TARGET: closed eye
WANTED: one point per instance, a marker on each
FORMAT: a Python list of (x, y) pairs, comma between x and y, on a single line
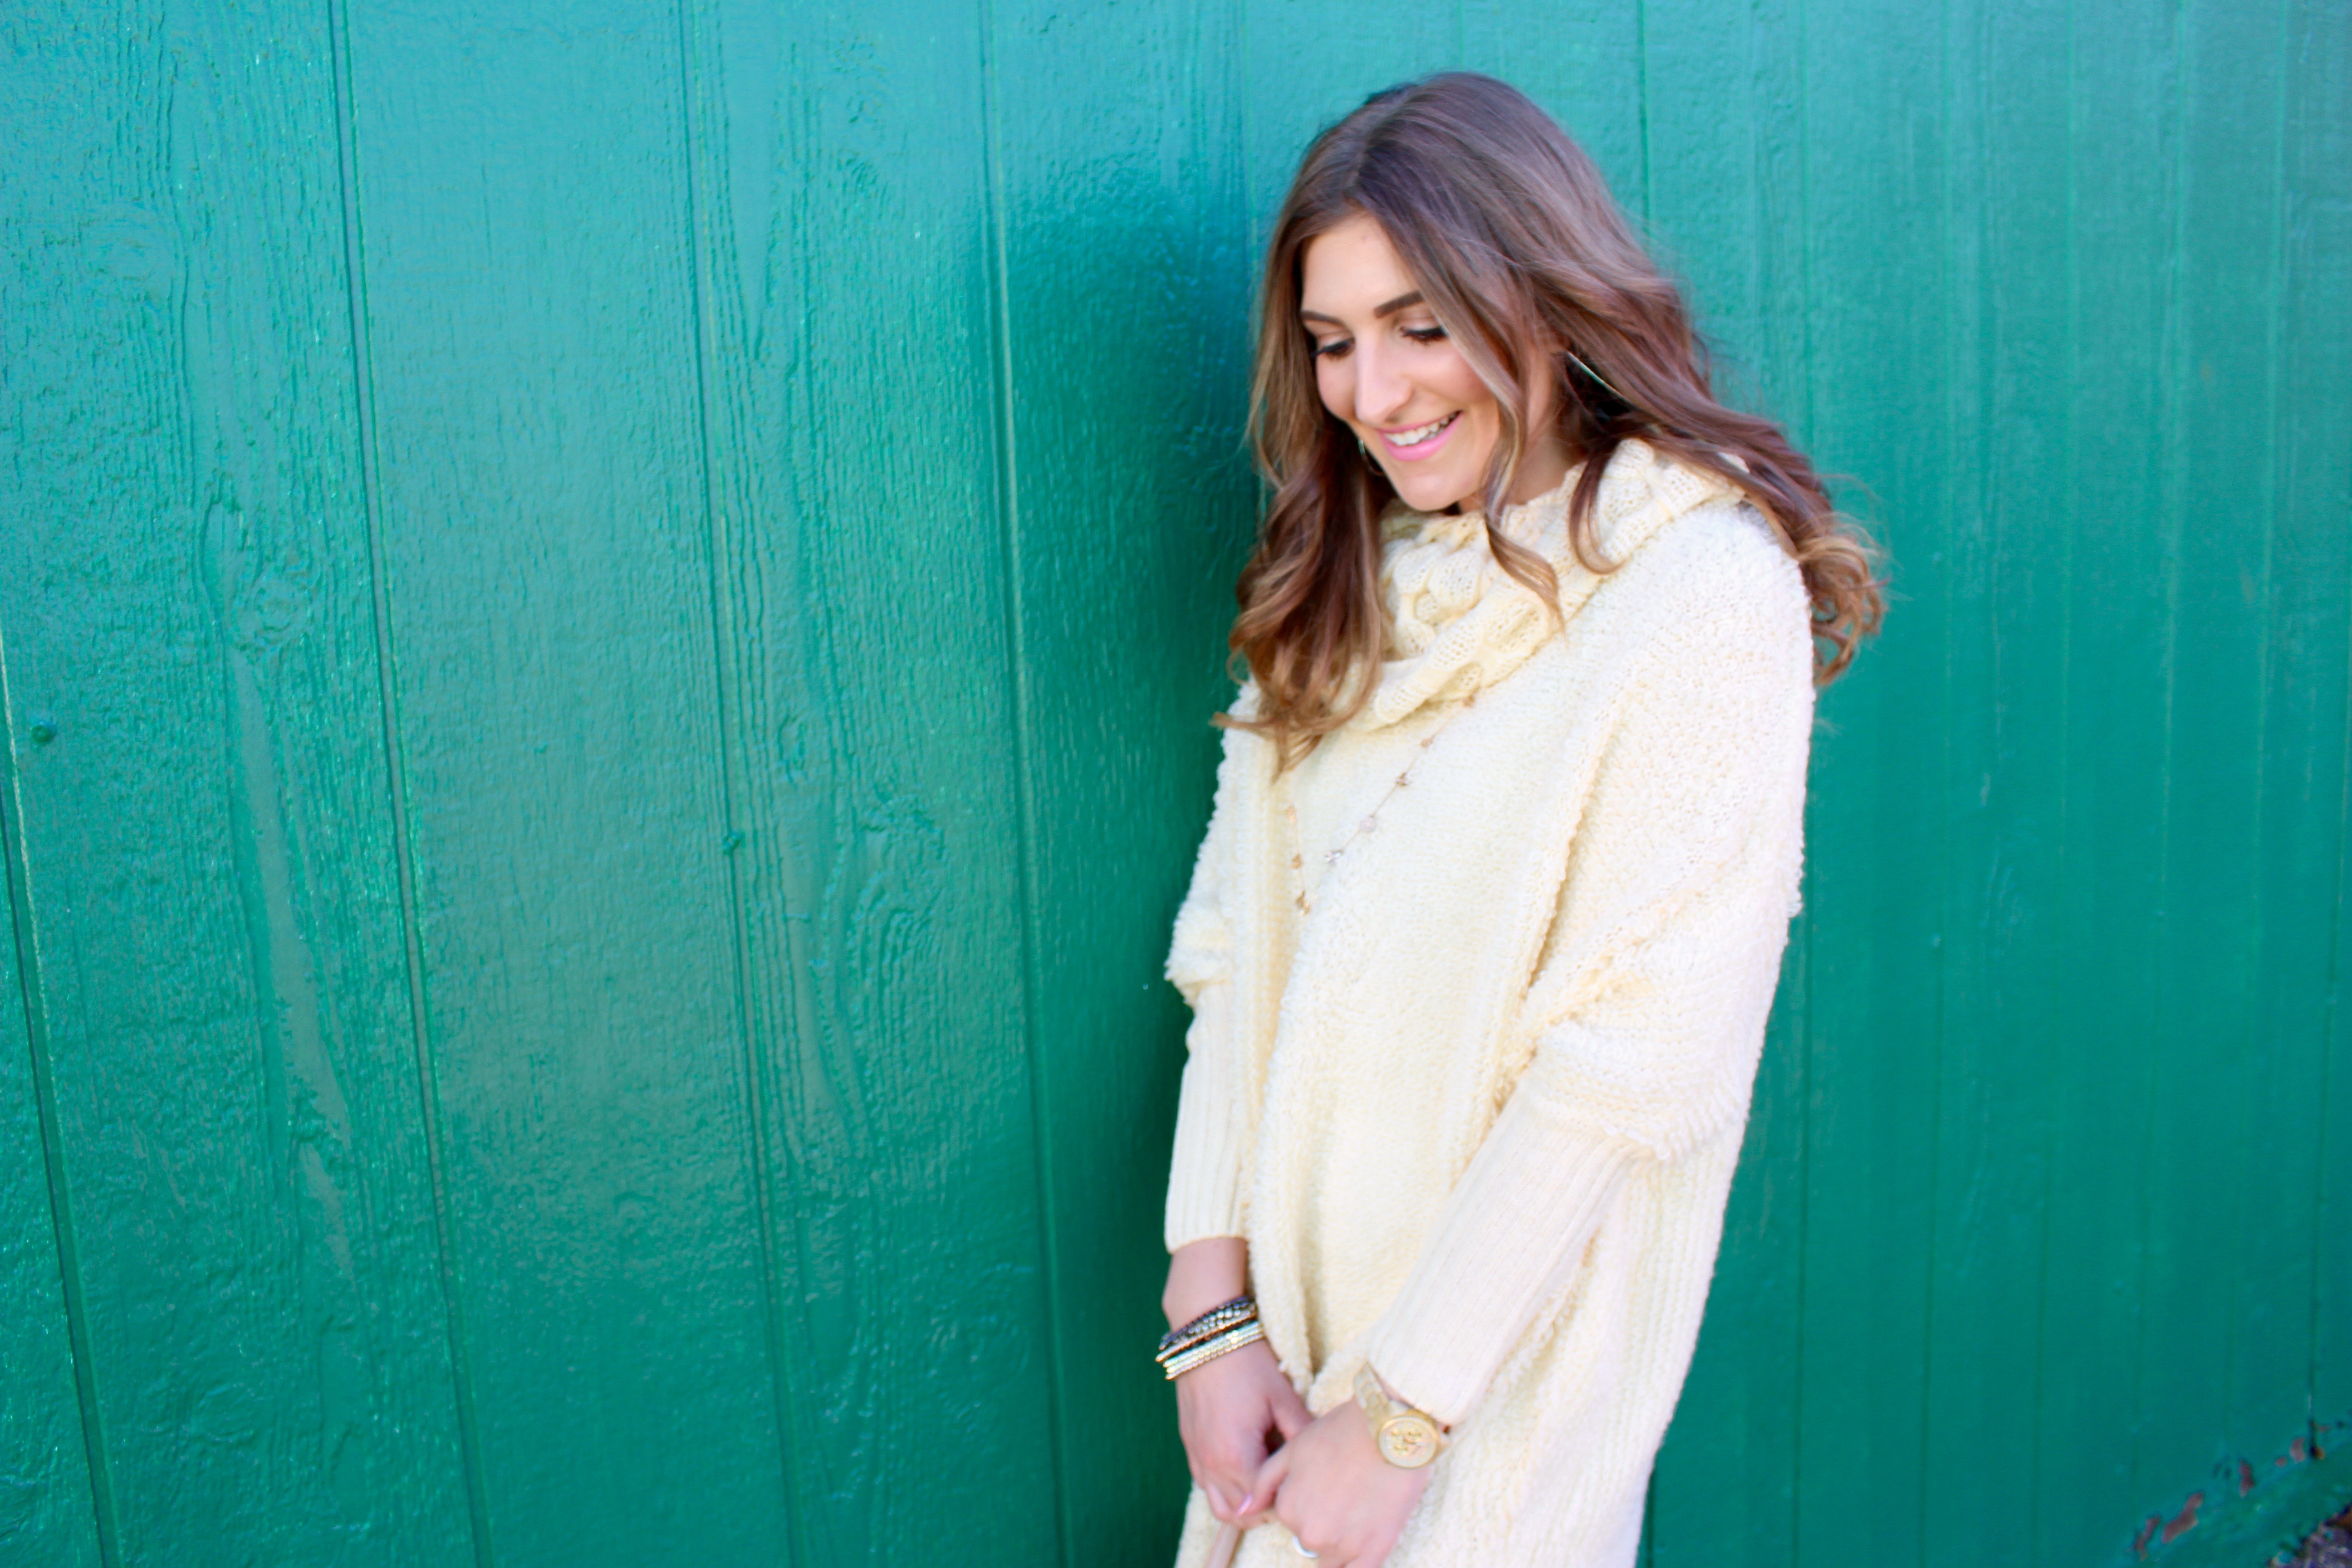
[(1425, 334), (1336, 349)]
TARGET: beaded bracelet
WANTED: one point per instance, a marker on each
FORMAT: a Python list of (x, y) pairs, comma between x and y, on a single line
[(1210, 1348), (1215, 1321)]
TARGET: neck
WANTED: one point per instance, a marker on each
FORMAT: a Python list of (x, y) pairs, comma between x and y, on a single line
[(1541, 470)]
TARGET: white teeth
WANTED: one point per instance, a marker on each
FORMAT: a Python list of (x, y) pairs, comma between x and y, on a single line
[(1419, 433)]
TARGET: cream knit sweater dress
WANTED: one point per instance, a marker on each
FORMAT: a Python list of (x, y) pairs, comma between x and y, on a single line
[(1476, 1109)]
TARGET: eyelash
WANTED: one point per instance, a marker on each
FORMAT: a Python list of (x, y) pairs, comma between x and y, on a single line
[(1418, 334)]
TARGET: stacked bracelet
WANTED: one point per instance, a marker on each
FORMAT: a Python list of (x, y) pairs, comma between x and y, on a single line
[(1208, 1350), (1223, 1329), (1215, 1321)]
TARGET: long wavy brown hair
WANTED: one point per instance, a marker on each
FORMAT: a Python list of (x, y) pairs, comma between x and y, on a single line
[(1510, 232)]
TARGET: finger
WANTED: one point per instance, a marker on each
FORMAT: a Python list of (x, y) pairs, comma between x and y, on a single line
[(1266, 1485), (1291, 1415), (1270, 1475)]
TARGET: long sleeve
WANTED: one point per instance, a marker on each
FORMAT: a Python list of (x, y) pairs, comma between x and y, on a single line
[(1651, 998), (1204, 1177), (1212, 1116)]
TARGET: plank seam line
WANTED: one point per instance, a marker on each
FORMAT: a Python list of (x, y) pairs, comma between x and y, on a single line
[(1642, 113), (18, 872), (1008, 485), (1803, 1035), (395, 780), (2261, 824), (2283, 459), (2062, 852), (1946, 180), (2165, 479), (718, 542)]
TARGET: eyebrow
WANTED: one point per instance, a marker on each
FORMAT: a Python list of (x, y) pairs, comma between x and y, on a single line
[(1400, 302)]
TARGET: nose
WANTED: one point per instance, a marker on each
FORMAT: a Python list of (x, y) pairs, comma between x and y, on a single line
[(1381, 392)]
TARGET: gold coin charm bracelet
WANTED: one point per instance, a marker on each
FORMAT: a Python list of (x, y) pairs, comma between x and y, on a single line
[(1222, 1330)]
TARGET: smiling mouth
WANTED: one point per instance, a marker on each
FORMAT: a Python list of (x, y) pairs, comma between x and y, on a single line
[(1420, 434)]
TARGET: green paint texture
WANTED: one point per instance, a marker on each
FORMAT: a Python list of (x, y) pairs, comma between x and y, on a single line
[(607, 616)]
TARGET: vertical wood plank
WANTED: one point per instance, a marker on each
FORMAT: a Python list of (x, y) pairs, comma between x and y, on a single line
[(1299, 73), (1584, 67), (183, 595), (2007, 720), (858, 505), (2217, 469), (2100, 1070), (47, 1513), (1877, 364), (2316, 488), (1721, 106), (2298, 804), (529, 290), (1125, 280)]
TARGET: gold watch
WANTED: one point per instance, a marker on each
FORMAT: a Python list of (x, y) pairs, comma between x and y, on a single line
[(1407, 1438)]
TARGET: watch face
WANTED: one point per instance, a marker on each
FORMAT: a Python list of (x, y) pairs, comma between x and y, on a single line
[(1408, 1442)]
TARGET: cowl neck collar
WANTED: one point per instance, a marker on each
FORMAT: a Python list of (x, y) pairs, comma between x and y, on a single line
[(1457, 622)]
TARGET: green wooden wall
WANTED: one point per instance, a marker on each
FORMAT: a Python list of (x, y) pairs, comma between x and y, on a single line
[(606, 618)]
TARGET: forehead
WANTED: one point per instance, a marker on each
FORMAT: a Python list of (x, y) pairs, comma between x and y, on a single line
[(1349, 269)]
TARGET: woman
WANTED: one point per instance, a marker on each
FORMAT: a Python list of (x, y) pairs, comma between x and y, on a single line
[(1481, 938)]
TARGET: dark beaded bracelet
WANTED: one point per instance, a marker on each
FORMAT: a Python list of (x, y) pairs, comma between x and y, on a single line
[(1215, 1321)]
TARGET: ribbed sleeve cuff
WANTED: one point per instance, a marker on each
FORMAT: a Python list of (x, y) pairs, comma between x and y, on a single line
[(1514, 1228), (1204, 1177)]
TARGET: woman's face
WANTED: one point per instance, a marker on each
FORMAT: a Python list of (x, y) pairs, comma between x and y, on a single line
[(1385, 367)]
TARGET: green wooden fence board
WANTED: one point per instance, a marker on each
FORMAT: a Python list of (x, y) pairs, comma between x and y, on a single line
[(46, 1511), (528, 288), (2267, 1527), (186, 598), (852, 401), (1299, 73), (1871, 1016), (2303, 781), (1718, 134), (2112, 784), (786, 492), (2005, 720), (1584, 67), (2315, 482), (1129, 494), (2219, 364)]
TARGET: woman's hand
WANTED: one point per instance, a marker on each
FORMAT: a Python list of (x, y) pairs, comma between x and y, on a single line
[(1330, 1488), (1232, 1411)]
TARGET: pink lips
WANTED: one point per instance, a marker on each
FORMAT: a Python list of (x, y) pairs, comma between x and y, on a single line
[(1428, 448)]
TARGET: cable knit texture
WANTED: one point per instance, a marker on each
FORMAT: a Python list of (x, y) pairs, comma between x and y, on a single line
[(1476, 1113)]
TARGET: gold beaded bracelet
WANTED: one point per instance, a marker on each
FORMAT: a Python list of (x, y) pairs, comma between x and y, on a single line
[(1210, 1348)]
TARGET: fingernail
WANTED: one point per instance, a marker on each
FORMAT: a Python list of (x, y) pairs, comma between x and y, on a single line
[(1247, 1499)]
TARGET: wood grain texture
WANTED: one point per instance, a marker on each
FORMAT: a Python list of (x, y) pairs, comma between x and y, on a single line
[(1127, 495), (521, 178), (2004, 716), (859, 488), (185, 596), (1872, 1025), (1726, 212), (48, 1511), (2315, 482), (623, 601), (2216, 487), (2115, 800)]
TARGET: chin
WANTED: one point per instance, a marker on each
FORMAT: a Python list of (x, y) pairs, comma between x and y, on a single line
[(1433, 494)]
